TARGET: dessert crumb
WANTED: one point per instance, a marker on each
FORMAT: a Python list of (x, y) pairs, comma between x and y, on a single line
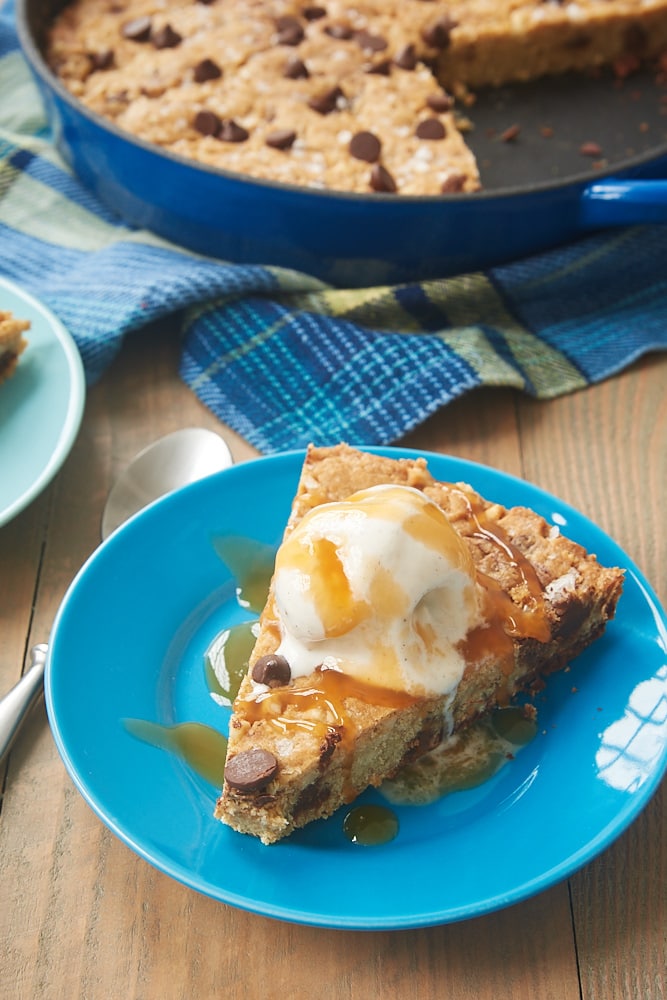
[(511, 133), (590, 149)]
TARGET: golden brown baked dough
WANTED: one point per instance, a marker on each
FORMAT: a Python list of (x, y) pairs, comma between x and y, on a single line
[(331, 738), (496, 42)]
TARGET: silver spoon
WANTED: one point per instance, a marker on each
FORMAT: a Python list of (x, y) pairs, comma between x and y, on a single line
[(164, 466)]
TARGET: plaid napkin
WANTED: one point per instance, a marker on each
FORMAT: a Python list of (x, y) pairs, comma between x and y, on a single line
[(281, 357)]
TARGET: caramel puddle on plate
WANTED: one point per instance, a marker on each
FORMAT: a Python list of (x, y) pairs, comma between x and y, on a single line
[(225, 663), (226, 659), (251, 564), (465, 761), (200, 746), (370, 825)]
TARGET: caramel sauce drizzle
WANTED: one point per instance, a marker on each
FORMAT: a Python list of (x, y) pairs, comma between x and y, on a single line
[(321, 706), (531, 619), (505, 620), (324, 702)]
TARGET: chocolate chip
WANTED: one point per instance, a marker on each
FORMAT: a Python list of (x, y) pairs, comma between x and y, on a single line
[(313, 13), (328, 746), (166, 38), (365, 146), (207, 122), (430, 128), (453, 184), (370, 43), (231, 131), (251, 770), (282, 138), (295, 69), (290, 31), (326, 102), (137, 30), (406, 58), (635, 38), (440, 101), (260, 801), (205, 70), (382, 68), (579, 41), (339, 31), (381, 180), (272, 669), (437, 34), (311, 798), (102, 60)]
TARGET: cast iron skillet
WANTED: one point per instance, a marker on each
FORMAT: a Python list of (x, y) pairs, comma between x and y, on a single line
[(539, 190)]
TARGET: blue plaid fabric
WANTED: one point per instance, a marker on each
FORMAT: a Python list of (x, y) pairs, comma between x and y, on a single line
[(284, 359)]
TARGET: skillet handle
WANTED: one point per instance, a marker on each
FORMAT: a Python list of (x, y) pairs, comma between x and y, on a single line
[(623, 203)]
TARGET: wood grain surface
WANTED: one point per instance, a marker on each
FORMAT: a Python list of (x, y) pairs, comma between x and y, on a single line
[(81, 916)]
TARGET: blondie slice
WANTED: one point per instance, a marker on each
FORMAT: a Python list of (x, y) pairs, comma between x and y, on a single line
[(345, 685), (12, 342)]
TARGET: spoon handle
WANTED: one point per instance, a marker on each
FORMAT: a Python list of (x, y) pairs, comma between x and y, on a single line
[(15, 705)]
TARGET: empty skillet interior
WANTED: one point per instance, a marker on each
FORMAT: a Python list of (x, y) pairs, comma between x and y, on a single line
[(565, 128)]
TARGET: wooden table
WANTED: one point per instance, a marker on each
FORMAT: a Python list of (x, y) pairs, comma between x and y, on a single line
[(81, 916)]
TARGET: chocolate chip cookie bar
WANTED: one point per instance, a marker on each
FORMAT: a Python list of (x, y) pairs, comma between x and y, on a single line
[(494, 43), (303, 743)]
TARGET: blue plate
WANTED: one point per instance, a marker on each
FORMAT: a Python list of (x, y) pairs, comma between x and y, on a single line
[(41, 405), (129, 642)]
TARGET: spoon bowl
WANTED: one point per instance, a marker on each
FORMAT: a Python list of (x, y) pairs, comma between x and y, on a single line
[(164, 466)]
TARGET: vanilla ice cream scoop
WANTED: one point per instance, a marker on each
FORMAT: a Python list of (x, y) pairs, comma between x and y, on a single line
[(380, 587)]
